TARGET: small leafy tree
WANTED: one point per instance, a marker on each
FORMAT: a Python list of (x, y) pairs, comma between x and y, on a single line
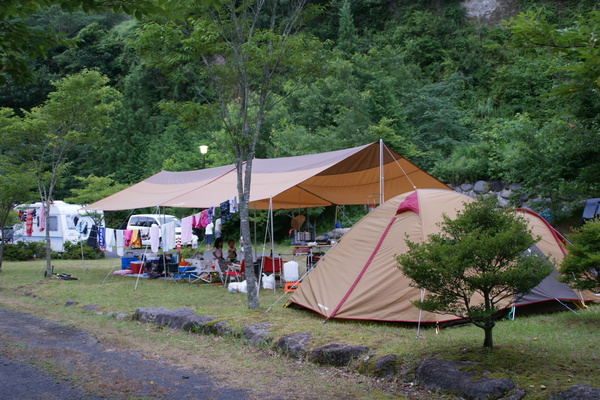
[(581, 266), (481, 253), (74, 115)]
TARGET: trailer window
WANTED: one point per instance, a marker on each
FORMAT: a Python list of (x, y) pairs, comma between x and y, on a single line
[(53, 223)]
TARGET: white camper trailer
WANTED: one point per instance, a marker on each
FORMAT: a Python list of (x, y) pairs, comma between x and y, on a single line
[(64, 221)]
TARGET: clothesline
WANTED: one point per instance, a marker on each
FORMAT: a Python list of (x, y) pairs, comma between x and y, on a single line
[(107, 238)]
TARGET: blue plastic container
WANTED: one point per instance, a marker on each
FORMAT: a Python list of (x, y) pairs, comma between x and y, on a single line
[(125, 261)]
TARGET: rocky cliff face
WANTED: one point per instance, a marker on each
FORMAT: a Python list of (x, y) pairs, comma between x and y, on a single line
[(490, 12)]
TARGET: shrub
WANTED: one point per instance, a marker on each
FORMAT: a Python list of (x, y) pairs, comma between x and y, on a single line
[(72, 251), (24, 251)]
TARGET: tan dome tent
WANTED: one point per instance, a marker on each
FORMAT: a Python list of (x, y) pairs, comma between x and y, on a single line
[(358, 278)]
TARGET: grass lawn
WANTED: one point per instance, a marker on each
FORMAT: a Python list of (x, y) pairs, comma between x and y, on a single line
[(541, 354)]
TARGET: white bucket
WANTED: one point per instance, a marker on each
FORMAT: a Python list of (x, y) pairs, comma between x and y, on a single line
[(290, 271)]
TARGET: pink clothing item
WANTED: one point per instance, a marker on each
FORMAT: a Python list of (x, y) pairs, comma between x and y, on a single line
[(127, 237), (204, 218), (42, 217), (197, 220)]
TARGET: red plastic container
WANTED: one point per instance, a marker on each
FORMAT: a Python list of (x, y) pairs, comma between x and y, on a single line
[(136, 267)]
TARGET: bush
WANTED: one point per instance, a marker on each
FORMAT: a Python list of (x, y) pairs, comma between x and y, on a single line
[(24, 251), (72, 251), (581, 266)]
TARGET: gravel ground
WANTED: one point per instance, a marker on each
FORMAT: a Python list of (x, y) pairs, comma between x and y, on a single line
[(43, 360)]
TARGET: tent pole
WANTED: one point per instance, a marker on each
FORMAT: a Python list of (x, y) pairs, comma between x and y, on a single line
[(381, 171), (82, 258), (272, 243)]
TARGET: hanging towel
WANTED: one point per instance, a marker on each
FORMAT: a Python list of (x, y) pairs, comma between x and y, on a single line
[(29, 223), (102, 238), (154, 238), (81, 227), (42, 218), (110, 239), (198, 220), (127, 237), (136, 240), (233, 205), (186, 230), (225, 211), (204, 220), (120, 240), (168, 236), (92, 240)]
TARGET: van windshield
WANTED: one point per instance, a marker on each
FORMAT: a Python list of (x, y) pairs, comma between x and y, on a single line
[(166, 220)]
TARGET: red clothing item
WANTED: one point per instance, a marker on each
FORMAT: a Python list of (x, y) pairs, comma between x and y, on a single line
[(29, 223)]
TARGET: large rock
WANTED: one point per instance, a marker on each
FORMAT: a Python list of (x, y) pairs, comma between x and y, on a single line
[(382, 367), (182, 318), (496, 186), (257, 335), (295, 345), (466, 187), (578, 392), (481, 187), (337, 355), (161, 316), (444, 375)]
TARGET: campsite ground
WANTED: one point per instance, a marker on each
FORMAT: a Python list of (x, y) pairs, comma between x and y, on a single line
[(560, 342)]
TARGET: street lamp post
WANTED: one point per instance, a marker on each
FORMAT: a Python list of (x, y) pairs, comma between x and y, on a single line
[(203, 151)]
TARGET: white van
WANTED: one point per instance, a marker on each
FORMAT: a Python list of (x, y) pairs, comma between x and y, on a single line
[(143, 222), (63, 221)]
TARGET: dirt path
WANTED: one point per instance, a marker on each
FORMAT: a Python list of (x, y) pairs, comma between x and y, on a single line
[(44, 360)]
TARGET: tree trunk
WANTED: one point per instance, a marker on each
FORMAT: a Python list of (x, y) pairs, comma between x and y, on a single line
[(488, 342), (251, 279), (48, 242), (1, 249)]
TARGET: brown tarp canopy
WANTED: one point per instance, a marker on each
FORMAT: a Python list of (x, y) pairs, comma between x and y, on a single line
[(342, 177), (359, 278)]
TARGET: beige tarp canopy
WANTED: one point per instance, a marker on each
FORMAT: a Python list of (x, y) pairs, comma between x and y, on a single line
[(351, 176)]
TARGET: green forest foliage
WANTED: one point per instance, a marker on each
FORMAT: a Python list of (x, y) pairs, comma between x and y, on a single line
[(516, 102)]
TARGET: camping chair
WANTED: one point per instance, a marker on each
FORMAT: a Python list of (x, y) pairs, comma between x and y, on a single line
[(202, 271), (272, 266), (173, 272), (235, 272)]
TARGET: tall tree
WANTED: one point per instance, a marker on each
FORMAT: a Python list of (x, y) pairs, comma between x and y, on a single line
[(74, 115), (246, 49), (480, 252)]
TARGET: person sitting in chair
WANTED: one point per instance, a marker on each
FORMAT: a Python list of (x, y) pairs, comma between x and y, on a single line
[(218, 254), (231, 253)]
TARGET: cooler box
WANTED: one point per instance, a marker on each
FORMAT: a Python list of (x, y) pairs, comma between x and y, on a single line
[(290, 287), (136, 267), (125, 261)]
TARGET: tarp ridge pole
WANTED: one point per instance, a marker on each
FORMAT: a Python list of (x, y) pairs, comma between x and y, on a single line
[(381, 196), (272, 244)]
